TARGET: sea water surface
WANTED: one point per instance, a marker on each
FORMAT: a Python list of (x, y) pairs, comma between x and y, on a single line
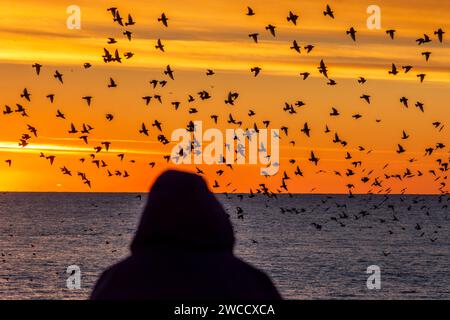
[(407, 237)]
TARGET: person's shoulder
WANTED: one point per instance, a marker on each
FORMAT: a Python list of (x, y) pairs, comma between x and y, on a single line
[(109, 278), (259, 279), (248, 268)]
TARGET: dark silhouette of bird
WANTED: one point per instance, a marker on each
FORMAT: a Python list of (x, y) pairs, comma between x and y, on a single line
[(159, 45), (439, 32), (254, 36), (352, 33), (59, 114), (305, 75), (271, 29), (32, 129), (292, 17), (334, 112), (169, 72), (26, 94), (58, 76), (37, 67), (306, 130), (163, 19), (404, 100), (157, 124), (313, 158), (323, 69), (421, 76), (255, 70), (130, 21), (391, 33), (250, 12), (328, 12), (117, 17), (143, 130), (7, 110), (423, 40), (88, 99), (112, 83), (295, 46), (400, 148), (407, 68), (128, 34), (420, 106), (231, 98), (366, 98), (393, 70), (427, 55)]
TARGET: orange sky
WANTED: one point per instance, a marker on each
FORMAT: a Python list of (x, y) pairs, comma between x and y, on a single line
[(214, 35)]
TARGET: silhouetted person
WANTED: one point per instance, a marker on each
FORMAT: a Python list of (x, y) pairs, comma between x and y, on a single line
[(183, 249)]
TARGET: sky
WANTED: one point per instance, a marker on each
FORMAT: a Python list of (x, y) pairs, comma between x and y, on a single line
[(213, 35)]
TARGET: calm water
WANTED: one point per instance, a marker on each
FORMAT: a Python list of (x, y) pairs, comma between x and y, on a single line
[(43, 233)]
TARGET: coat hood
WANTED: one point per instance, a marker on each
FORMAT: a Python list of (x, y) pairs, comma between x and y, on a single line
[(181, 212)]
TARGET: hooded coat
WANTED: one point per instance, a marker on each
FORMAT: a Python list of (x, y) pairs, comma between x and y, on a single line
[(183, 250)]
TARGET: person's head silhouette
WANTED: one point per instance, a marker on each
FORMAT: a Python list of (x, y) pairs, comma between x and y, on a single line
[(182, 212)]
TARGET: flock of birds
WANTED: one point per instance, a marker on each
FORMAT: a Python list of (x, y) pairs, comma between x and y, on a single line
[(378, 183)]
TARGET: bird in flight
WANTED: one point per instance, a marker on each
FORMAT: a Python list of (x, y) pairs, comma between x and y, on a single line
[(169, 72), (393, 70), (439, 32), (352, 33), (407, 68), (88, 99), (295, 46), (305, 75), (254, 36), (112, 83), (292, 17), (328, 12), (423, 40), (426, 54), (313, 158), (37, 67), (163, 19), (250, 12), (366, 98), (361, 80), (391, 33), (143, 129), (159, 45), (421, 76), (130, 21), (25, 94), (334, 112), (306, 130), (323, 69), (255, 70), (308, 48), (58, 76), (271, 29), (400, 148)]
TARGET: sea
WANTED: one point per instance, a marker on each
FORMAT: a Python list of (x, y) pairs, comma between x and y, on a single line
[(311, 246)]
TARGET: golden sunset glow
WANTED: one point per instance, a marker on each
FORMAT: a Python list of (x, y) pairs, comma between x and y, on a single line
[(213, 35)]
